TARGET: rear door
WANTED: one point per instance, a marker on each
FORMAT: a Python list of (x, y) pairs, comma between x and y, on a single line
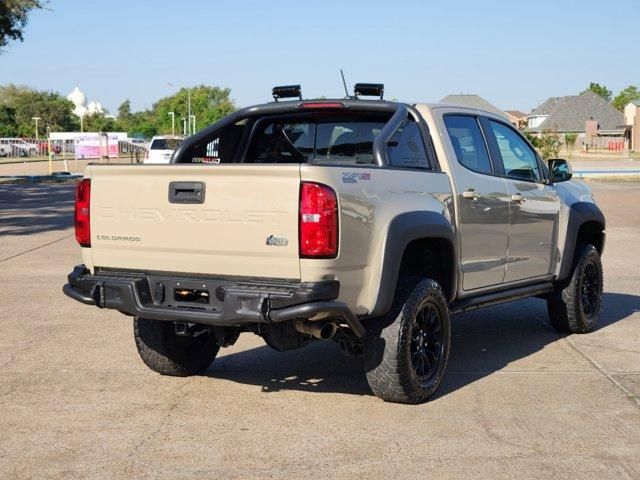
[(483, 204), (244, 221), (534, 205)]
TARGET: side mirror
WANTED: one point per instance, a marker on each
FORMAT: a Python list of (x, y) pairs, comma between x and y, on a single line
[(560, 170)]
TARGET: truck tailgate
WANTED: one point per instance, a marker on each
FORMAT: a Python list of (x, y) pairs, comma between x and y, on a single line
[(246, 225)]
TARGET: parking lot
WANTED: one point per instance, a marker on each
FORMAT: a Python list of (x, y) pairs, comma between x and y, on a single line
[(519, 400)]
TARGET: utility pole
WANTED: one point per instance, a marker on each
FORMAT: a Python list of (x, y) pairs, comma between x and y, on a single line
[(173, 122), (189, 110), (36, 119), (49, 150)]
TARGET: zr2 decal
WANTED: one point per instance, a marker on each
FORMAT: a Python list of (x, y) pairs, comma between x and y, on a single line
[(354, 177)]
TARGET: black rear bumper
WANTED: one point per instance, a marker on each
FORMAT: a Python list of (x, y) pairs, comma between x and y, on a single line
[(229, 303)]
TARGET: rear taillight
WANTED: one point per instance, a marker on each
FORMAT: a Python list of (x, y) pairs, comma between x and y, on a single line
[(318, 221), (82, 217)]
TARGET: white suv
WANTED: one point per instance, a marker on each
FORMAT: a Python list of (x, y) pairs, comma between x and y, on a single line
[(161, 148)]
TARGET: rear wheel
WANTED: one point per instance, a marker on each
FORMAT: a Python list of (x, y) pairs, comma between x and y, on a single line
[(169, 354), (574, 306), (406, 353)]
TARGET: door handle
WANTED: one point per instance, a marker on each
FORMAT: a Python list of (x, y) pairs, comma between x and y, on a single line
[(186, 192), (518, 198), (471, 194)]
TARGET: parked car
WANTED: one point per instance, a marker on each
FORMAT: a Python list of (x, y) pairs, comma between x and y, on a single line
[(22, 148), (365, 222), (161, 148)]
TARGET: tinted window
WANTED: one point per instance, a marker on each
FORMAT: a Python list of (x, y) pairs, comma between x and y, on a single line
[(314, 140), (223, 148), (468, 142), (350, 142), (165, 143), (517, 156), (282, 142), (406, 148)]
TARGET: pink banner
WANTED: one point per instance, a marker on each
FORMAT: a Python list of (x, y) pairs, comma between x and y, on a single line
[(95, 145)]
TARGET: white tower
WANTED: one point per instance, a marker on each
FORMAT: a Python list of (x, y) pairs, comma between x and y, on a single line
[(79, 101)]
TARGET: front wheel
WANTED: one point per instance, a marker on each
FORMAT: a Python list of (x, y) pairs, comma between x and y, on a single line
[(574, 306), (406, 353), (169, 354)]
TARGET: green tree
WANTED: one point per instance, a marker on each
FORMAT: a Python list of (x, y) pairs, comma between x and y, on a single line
[(600, 90), (208, 104), (570, 142), (533, 140), (629, 94), (549, 144), (7, 122), (139, 124), (53, 109), (13, 18), (99, 122)]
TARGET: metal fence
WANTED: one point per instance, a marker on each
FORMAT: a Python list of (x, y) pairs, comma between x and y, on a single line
[(24, 148)]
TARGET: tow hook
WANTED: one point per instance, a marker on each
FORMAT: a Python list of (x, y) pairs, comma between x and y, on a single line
[(185, 329)]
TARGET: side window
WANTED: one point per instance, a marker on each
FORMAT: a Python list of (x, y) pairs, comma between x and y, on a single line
[(223, 148), (406, 148), (346, 142), (468, 143), (518, 159)]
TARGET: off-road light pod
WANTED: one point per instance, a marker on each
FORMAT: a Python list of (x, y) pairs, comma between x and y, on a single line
[(286, 91), (82, 213), (369, 90), (318, 221)]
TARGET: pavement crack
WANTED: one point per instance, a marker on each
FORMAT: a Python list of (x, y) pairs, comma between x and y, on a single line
[(161, 424), (36, 248), (630, 395)]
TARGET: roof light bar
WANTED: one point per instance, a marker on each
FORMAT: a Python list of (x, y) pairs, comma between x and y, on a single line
[(369, 90), (286, 91)]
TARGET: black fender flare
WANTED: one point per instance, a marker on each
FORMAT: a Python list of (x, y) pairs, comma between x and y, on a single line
[(404, 229), (579, 214)]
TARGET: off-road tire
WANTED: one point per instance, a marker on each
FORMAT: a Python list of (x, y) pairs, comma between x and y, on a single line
[(169, 354), (567, 311), (387, 346)]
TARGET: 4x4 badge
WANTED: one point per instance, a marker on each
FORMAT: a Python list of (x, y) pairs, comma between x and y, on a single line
[(276, 241)]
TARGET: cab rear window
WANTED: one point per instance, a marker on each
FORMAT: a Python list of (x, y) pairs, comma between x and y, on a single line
[(330, 139), (315, 140)]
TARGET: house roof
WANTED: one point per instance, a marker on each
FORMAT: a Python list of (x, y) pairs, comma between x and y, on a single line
[(569, 114), (515, 113), (473, 101)]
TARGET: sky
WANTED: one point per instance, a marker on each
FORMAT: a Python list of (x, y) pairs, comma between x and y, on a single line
[(514, 54)]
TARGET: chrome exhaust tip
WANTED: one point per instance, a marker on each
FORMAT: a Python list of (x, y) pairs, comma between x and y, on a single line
[(319, 330)]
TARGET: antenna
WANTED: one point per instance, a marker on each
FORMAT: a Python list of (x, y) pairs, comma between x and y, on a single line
[(346, 92)]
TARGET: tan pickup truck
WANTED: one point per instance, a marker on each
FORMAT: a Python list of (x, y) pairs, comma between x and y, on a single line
[(364, 222)]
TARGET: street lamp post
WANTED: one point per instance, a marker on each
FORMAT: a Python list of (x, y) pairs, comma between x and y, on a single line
[(36, 119), (192, 118), (184, 126), (49, 149), (173, 122)]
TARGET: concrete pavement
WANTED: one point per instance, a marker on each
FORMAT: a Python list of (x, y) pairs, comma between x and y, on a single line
[(518, 401)]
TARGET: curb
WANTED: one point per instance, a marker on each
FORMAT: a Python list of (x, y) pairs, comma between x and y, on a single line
[(54, 178)]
